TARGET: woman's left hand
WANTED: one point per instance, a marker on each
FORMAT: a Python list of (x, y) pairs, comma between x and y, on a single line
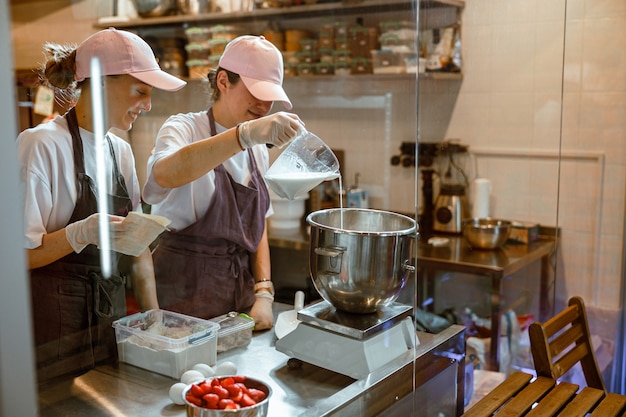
[(262, 311)]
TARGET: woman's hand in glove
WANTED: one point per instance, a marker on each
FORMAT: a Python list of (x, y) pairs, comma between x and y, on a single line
[(85, 232), (262, 311), (276, 129)]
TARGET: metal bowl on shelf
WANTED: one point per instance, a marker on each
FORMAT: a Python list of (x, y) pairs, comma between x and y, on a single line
[(486, 233), (155, 8)]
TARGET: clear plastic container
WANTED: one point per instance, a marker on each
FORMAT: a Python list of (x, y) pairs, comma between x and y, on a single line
[(385, 61), (197, 51), (234, 331), (165, 342), (198, 34), (198, 68)]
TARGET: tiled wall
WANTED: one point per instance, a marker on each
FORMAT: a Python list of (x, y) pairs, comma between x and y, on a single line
[(511, 109)]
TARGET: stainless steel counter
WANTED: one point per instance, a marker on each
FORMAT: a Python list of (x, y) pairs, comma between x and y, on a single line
[(124, 390)]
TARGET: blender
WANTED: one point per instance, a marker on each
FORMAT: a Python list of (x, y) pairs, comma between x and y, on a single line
[(452, 205)]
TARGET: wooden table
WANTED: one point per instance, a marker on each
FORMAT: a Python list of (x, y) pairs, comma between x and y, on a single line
[(518, 396)]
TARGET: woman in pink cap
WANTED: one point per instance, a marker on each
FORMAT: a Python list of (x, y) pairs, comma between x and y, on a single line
[(206, 176), (74, 299)]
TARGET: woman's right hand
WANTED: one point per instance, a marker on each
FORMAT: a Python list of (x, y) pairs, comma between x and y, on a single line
[(277, 129)]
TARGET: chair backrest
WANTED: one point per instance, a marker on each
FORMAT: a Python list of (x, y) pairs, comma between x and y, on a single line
[(564, 340)]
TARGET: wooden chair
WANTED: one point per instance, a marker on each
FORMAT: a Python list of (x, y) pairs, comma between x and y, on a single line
[(564, 340)]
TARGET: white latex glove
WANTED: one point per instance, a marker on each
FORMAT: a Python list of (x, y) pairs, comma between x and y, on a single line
[(85, 232), (261, 311), (277, 129)]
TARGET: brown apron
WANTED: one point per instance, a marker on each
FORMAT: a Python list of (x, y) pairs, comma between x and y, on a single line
[(73, 304), (204, 270)]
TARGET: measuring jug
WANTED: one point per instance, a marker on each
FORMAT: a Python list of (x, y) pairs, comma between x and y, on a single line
[(303, 165)]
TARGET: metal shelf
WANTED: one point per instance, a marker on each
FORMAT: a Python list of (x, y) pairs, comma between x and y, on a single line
[(345, 7)]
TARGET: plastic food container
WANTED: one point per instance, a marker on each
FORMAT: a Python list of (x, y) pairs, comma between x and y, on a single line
[(165, 342), (198, 34), (197, 51), (198, 68), (234, 331), (388, 62), (217, 45)]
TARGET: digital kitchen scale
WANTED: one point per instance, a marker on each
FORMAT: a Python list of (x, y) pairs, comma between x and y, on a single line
[(347, 343)]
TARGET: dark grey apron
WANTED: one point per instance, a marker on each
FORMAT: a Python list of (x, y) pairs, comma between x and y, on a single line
[(73, 304), (204, 270)]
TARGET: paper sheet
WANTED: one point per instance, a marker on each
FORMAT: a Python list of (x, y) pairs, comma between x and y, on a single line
[(140, 230)]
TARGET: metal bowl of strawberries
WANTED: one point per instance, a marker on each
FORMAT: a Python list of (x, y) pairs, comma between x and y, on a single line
[(228, 396)]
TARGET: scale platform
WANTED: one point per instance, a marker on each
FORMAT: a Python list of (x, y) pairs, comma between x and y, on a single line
[(347, 343)]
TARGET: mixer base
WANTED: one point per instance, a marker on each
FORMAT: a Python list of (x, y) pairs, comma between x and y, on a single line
[(353, 357)]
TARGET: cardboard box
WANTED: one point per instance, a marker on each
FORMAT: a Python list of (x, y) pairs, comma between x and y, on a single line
[(524, 232)]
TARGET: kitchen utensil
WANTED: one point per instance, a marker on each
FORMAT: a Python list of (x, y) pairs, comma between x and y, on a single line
[(287, 321), (452, 205), (258, 410), (360, 259), (304, 164), (486, 233), (227, 316), (194, 7), (350, 344), (288, 214), (155, 8)]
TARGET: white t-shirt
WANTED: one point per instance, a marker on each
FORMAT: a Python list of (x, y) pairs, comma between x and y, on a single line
[(185, 205), (47, 175)]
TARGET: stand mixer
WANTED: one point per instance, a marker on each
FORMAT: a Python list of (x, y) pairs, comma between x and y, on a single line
[(452, 205), (359, 263)]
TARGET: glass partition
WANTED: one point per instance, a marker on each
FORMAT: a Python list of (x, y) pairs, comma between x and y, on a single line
[(451, 110)]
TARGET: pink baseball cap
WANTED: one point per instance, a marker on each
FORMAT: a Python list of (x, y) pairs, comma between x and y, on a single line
[(122, 52), (259, 64)]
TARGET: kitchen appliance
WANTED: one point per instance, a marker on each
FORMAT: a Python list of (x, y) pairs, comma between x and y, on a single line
[(350, 344), (359, 262), (426, 155), (452, 204)]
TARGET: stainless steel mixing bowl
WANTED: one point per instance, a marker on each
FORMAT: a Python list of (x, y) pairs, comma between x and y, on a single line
[(364, 263), (486, 233)]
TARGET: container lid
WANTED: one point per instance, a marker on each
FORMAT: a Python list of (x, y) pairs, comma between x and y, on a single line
[(167, 329), (229, 325)]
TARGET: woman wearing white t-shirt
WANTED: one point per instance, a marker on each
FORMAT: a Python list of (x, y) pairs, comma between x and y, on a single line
[(74, 300), (206, 176)]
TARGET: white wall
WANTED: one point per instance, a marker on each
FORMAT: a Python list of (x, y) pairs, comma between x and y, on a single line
[(510, 100)]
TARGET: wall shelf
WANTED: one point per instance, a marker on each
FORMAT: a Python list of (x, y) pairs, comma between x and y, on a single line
[(345, 7)]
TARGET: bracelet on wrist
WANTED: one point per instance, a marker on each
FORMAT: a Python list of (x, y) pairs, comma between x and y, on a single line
[(237, 136), (264, 285)]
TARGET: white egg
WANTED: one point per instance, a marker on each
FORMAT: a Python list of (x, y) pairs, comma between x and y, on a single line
[(176, 393), (191, 376), (204, 369), (225, 368)]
